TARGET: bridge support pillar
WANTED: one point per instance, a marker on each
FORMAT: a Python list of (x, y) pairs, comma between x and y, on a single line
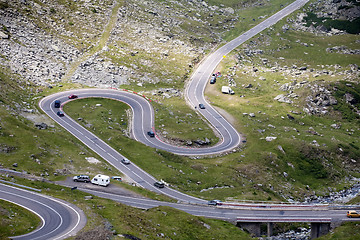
[(270, 229), (251, 227), (319, 229)]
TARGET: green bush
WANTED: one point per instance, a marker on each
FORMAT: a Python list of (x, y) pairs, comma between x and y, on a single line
[(352, 27)]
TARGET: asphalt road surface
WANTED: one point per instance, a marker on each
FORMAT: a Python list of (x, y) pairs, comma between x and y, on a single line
[(59, 219), (143, 115), (143, 121), (259, 211)]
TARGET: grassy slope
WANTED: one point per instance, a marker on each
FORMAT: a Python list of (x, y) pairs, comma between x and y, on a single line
[(15, 220), (268, 164), (235, 170), (347, 231), (239, 170), (307, 170)]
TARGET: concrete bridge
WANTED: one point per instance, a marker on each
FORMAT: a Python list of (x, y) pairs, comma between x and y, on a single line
[(319, 226)]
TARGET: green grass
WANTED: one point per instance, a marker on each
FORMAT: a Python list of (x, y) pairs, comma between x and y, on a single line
[(190, 175), (253, 15), (354, 201), (181, 123), (221, 176), (290, 46), (304, 163), (347, 231), (15, 220)]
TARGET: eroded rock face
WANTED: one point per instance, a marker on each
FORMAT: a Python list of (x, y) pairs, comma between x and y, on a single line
[(46, 43), (319, 101)]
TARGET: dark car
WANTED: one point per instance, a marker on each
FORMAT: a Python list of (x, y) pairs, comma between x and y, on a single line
[(159, 184), (60, 113), (57, 103), (201, 106), (151, 133), (72, 96), (125, 161), (213, 80), (81, 178), (214, 202)]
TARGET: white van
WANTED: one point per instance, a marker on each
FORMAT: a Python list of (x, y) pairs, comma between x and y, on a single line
[(101, 180), (227, 90)]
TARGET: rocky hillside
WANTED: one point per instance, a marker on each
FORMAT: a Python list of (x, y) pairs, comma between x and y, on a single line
[(296, 84), (108, 43)]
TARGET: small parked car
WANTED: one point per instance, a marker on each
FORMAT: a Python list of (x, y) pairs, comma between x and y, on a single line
[(81, 178), (159, 184), (214, 202), (60, 113), (201, 106), (57, 103), (125, 161), (151, 133), (117, 178), (353, 214), (72, 96), (213, 80)]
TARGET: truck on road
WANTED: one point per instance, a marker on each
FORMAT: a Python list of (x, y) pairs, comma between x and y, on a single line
[(227, 90)]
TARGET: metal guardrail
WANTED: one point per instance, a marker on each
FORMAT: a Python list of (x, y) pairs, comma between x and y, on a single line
[(277, 219), (19, 185)]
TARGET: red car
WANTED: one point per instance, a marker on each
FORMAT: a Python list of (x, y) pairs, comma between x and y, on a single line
[(72, 96)]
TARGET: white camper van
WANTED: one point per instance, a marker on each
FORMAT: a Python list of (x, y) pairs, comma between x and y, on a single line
[(101, 180), (227, 90)]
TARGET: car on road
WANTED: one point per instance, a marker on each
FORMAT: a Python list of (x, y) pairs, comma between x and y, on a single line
[(60, 113), (125, 161), (72, 96), (201, 106), (159, 184), (353, 214), (151, 133), (57, 103), (214, 202), (81, 178)]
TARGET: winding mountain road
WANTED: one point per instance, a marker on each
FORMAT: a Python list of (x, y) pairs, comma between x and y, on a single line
[(59, 220), (143, 121), (143, 114)]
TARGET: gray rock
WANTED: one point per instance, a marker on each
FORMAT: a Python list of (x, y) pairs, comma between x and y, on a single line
[(3, 35), (41, 125), (269, 139), (229, 10), (290, 117), (282, 98), (281, 149), (285, 28), (350, 98)]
